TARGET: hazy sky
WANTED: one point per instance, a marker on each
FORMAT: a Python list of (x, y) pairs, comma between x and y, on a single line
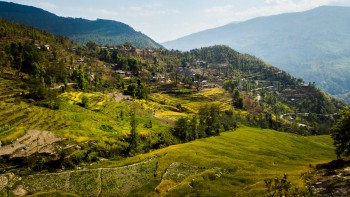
[(165, 20)]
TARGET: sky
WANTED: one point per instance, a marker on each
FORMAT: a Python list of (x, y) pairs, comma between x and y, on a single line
[(165, 20)]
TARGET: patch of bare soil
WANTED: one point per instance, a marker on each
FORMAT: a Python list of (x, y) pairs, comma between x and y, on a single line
[(33, 142), (119, 97), (4, 180), (20, 191)]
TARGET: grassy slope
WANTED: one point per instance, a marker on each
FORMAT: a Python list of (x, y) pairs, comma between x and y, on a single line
[(83, 124), (248, 156), (72, 121), (192, 102)]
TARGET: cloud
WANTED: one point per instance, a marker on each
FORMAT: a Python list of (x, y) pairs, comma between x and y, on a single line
[(136, 9), (102, 13), (225, 10), (48, 6), (228, 13), (148, 10), (222, 15), (275, 1)]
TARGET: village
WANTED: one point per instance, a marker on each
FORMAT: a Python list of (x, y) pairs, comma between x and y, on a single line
[(197, 75)]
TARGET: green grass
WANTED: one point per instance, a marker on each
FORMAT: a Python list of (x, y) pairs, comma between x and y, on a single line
[(53, 194), (87, 123), (246, 156), (193, 102), (96, 182), (234, 163), (75, 122), (9, 87)]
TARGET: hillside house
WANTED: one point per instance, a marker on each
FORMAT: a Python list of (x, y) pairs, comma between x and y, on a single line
[(123, 73), (120, 72), (158, 77), (139, 51)]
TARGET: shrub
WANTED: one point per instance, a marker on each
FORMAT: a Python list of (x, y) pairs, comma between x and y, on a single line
[(92, 157), (84, 101)]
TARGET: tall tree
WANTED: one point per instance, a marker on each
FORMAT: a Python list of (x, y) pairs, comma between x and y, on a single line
[(181, 128), (133, 131), (341, 133)]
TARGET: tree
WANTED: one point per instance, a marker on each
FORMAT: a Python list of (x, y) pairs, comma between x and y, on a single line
[(194, 127), (84, 101), (341, 133), (138, 90), (91, 45), (82, 82), (209, 118), (181, 127), (237, 99), (133, 132)]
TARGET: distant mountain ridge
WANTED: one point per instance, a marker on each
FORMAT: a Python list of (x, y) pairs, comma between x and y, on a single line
[(313, 45), (104, 32)]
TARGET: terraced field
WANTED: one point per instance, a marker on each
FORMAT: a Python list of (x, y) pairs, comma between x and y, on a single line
[(192, 102), (232, 164), (244, 159), (8, 88), (119, 181), (73, 121)]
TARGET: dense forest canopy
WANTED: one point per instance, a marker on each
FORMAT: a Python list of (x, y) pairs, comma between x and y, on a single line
[(80, 30)]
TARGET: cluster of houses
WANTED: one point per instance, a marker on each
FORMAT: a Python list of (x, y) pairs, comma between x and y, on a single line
[(138, 51), (147, 52)]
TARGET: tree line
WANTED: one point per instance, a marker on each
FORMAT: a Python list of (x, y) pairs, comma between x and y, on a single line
[(210, 121)]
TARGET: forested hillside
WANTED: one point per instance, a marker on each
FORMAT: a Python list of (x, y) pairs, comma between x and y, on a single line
[(103, 32), (65, 106), (312, 45)]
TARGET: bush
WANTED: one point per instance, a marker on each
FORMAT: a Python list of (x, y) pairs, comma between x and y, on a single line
[(283, 187), (78, 156), (84, 101), (92, 157)]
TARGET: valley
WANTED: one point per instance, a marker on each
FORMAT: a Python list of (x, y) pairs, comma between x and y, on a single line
[(98, 119), (311, 45)]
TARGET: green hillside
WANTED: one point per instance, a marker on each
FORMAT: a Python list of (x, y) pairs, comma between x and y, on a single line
[(242, 158), (312, 45), (103, 32), (218, 166), (92, 120)]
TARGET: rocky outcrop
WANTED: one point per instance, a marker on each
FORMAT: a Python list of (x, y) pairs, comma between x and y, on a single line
[(332, 179)]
